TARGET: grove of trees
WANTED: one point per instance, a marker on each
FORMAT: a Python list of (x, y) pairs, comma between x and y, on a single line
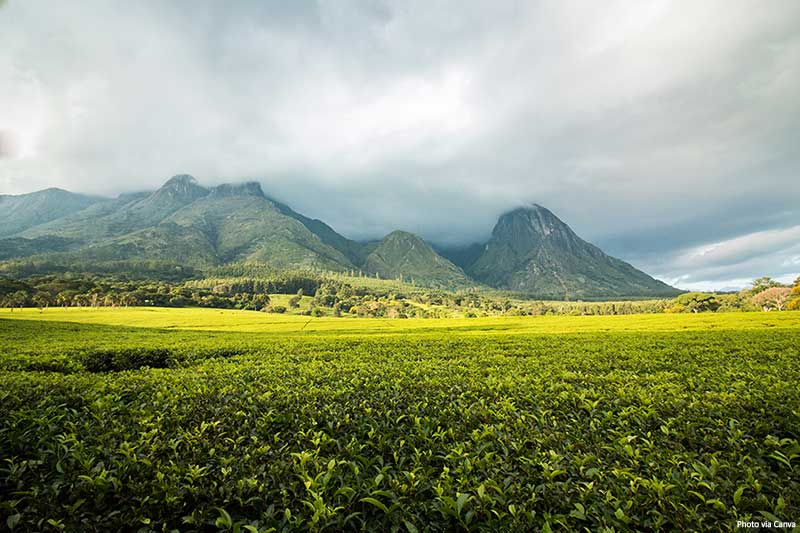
[(330, 296)]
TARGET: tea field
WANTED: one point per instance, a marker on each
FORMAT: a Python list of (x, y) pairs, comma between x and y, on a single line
[(201, 420)]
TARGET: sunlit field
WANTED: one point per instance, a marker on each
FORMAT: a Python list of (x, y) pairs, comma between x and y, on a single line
[(202, 419), (253, 321)]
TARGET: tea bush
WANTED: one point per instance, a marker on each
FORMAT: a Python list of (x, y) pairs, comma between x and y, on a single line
[(611, 431)]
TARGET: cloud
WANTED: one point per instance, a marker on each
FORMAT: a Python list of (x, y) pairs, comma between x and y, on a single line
[(731, 263), (651, 127)]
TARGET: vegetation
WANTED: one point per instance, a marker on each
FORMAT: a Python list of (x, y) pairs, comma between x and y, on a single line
[(774, 298), (794, 302), (69, 267), (328, 295), (695, 302), (343, 295), (294, 423)]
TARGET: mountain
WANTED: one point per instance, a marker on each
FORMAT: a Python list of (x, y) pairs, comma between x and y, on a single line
[(243, 225), (404, 255), (183, 223), (532, 251), (20, 212), (123, 215), (191, 225)]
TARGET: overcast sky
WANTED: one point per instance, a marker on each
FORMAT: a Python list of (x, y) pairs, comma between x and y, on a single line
[(667, 133)]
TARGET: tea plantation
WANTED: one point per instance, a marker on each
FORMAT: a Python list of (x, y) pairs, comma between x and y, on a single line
[(199, 420)]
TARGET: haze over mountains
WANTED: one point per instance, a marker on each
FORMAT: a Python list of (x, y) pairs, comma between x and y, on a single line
[(530, 250)]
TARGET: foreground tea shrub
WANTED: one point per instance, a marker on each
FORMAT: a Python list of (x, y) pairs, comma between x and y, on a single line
[(656, 431)]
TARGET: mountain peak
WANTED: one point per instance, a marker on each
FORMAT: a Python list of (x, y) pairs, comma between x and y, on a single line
[(54, 190), (524, 226), (24, 211), (534, 251), (531, 210), (400, 235), (50, 191), (183, 187), (180, 180), (401, 254), (249, 188)]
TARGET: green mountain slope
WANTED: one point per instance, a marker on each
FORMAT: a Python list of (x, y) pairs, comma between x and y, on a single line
[(124, 215), (17, 247), (354, 251), (402, 254), (188, 224), (533, 251), (20, 212), (84, 225), (242, 224)]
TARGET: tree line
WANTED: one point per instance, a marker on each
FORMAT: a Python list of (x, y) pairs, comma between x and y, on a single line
[(333, 296), (765, 294)]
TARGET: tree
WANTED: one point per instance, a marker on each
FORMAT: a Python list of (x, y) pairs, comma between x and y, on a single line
[(698, 302), (794, 303), (64, 298), (763, 283), (81, 300), (772, 298), (259, 301), (221, 289), (179, 301), (41, 300), (19, 299)]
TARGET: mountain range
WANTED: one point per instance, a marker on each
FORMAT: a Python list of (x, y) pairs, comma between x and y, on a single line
[(530, 250)]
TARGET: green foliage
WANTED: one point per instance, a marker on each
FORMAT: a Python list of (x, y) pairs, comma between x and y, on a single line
[(762, 284), (16, 248), (740, 301), (794, 302), (454, 429), (697, 302), (342, 294), (70, 266), (339, 295)]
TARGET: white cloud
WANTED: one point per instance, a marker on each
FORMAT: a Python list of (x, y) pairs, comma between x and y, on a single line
[(734, 263)]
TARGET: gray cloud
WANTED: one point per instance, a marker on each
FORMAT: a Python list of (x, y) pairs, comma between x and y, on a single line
[(653, 128)]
